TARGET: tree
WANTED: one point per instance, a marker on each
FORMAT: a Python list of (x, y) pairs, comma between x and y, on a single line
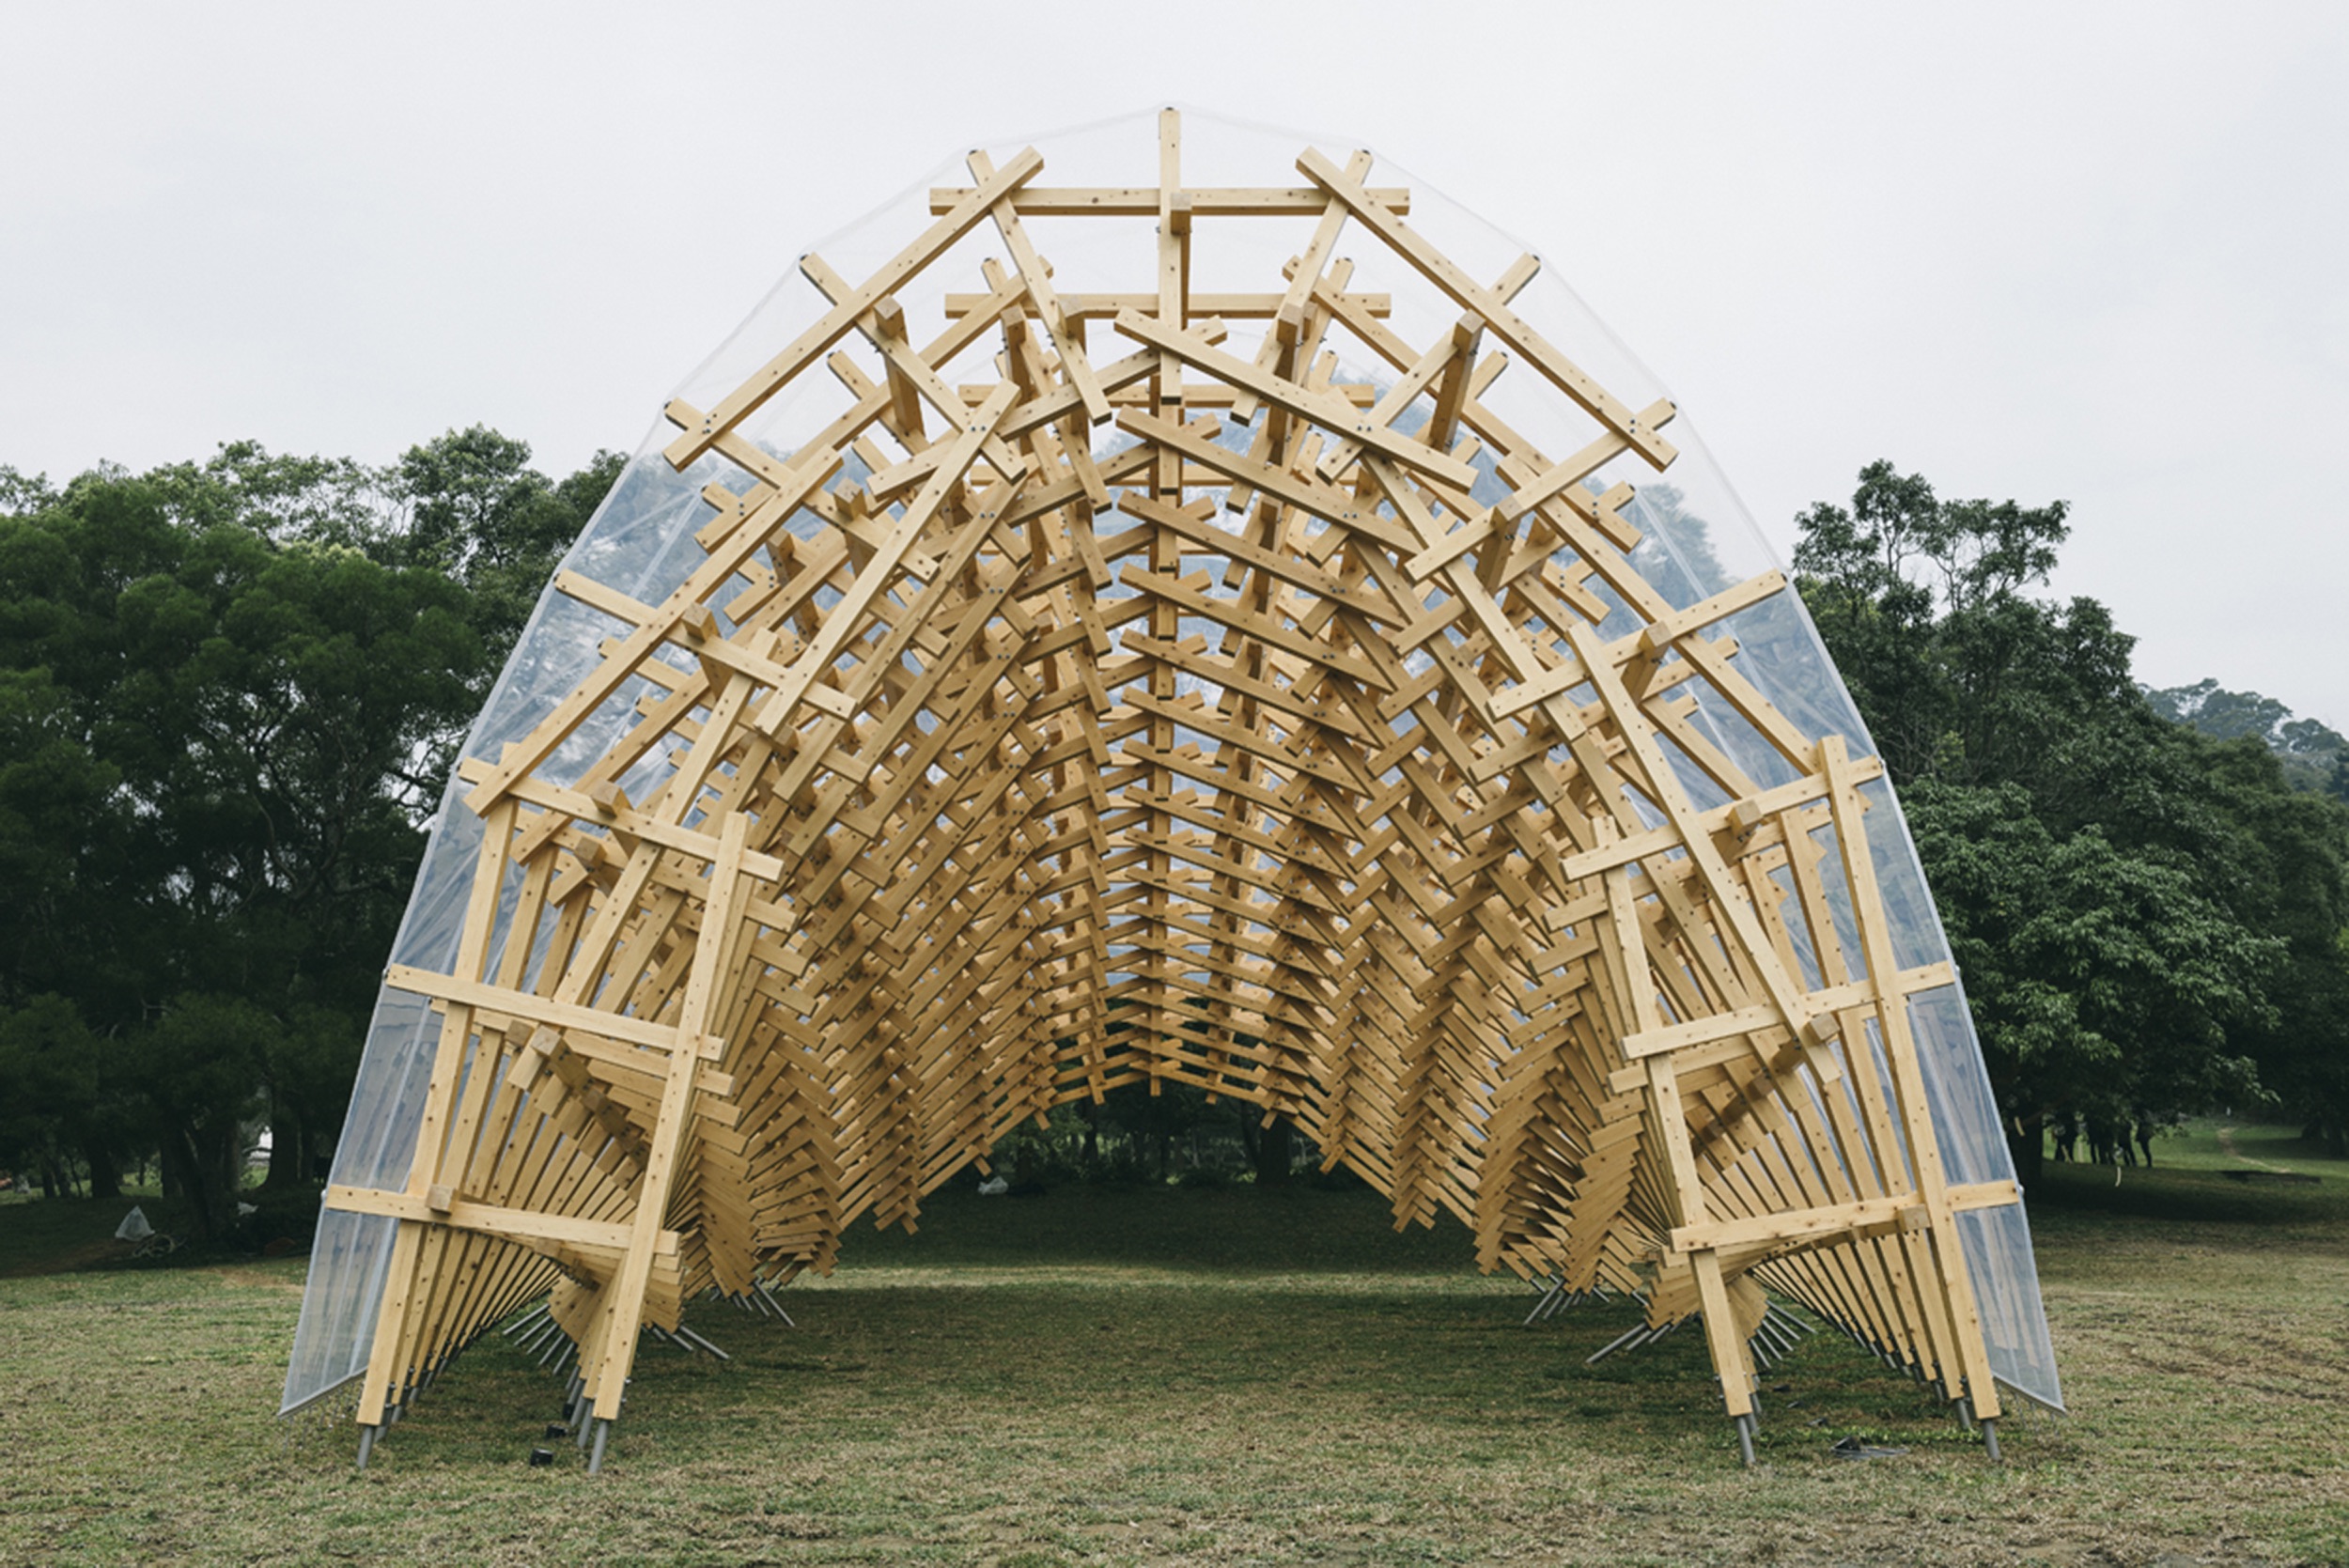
[(50, 1093), (20, 494), (308, 1060), (2109, 887), (1958, 673), (221, 753), (287, 500), (480, 516), (2101, 980), (197, 1069), (2295, 883), (1270, 1144), (2311, 751), (230, 692)]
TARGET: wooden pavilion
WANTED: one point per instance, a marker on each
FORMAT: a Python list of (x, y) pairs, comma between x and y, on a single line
[(1082, 678)]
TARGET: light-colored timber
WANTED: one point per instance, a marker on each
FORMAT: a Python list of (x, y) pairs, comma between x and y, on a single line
[(1174, 707)]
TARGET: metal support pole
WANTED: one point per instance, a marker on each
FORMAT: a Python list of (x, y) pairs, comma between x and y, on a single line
[(690, 1339), (1745, 1438), (594, 1460), (769, 1297), (1615, 1344), (528, 1323), (1537, 1313), (1990, 1439)]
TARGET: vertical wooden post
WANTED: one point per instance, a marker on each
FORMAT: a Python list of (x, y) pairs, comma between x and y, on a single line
[(615, 1353), (1728, 1347), (448, 1064), (1952, 1280)]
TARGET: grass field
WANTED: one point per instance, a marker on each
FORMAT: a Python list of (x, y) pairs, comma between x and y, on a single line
[(1217, 1376)]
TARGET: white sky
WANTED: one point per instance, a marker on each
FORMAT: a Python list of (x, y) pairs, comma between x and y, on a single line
[(2095, 252)]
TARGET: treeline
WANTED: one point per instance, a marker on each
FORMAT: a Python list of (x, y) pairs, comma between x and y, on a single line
[(2147, 893), (229, 693)]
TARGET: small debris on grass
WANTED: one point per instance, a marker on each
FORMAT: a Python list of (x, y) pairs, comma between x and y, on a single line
[(1852, 1448)]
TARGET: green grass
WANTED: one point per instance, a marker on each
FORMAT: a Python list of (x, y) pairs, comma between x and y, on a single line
[(2185, 1182), (2220, 1143), (1217, 1376), (43, 1237)]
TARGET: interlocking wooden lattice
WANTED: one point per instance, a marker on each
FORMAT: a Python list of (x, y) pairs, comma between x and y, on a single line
[(1157, 711)]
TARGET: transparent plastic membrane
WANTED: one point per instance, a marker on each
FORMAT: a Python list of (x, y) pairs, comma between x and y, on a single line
[(1696, 540), (641, 542)]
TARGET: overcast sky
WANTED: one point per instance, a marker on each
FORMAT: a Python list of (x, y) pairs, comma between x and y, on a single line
[(2099, 253)]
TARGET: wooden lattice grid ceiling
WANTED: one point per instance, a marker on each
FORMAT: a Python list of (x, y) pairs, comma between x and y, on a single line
[(1118, 690)]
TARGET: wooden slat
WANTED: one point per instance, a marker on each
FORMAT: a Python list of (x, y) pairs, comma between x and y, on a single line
[(1142, 201), (703, 429), (1504, 323)]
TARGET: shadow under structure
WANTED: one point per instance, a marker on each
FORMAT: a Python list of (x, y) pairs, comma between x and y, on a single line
[(1107, 619)]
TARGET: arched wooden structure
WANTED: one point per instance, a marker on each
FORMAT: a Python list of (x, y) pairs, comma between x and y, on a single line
[(1086, 682)]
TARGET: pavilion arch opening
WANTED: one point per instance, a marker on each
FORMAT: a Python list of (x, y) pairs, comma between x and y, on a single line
[(1138, 611)]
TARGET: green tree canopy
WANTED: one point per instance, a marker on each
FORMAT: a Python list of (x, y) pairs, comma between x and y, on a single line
[(231, 694), (480, 516), (2149, 920)]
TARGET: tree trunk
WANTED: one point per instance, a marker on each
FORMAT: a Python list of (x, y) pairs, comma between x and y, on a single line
[(203, 1178), (2026, 1140), (230, 1156), (105, 1180), (1274, 1152), (289, 1152)]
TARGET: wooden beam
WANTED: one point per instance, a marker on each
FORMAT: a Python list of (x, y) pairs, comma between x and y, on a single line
[(702, 431)]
